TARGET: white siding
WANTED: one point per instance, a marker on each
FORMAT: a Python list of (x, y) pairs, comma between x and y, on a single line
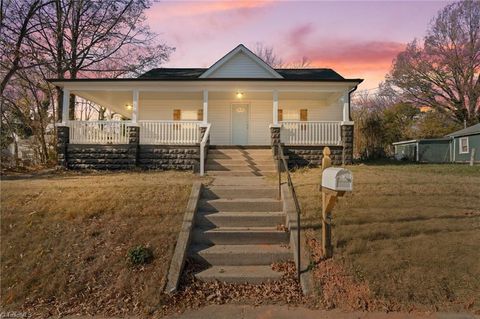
[(318, 110), (260, 114), (220, 118), (163, 109), (241, 66)]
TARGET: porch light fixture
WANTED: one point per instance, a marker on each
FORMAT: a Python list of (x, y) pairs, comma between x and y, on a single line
[(129, 106), (239, 95)]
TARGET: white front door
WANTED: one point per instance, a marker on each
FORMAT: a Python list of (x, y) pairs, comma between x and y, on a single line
[(240, 124)]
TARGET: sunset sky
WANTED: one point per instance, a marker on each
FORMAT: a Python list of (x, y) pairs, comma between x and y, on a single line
[(356, 38)]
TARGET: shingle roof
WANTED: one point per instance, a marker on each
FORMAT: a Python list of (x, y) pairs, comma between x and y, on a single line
[(173, 73), (288, 74), (474, 129)]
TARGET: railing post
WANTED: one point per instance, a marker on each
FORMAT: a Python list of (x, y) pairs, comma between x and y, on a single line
[(347, 143), (63, 139), (133, 132)]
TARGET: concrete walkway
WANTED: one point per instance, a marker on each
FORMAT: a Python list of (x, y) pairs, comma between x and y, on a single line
[(285, 312)]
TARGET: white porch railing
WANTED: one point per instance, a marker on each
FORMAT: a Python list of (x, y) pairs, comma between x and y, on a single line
[(310, 133), (169, 132), (98, 132)]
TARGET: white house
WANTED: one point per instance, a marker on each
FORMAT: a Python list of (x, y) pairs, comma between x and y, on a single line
[(238, 101)]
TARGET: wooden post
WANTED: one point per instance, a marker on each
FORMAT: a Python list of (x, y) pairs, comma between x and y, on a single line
[(326, 213), (472, 157)]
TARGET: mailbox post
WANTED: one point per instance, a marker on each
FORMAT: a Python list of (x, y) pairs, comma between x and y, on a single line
[(335, 182)]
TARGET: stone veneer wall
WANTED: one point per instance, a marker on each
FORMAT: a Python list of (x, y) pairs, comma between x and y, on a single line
[(299, 156), (126, 156), (311, 155), (169, 157)]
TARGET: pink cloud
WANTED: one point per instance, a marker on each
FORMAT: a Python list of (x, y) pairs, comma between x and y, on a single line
[(170, 10), (298, 35)]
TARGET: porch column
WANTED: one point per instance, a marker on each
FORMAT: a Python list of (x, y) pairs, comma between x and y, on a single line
[(275, 107), (346, 108), (65, 106), (205, 106), (135, 106), (346, 131)]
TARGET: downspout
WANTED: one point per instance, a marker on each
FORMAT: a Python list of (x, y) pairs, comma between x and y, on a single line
[(350, 102)]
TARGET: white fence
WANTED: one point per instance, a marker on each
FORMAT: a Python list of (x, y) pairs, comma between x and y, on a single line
[(169, 132), (310, 133), (98, 132)]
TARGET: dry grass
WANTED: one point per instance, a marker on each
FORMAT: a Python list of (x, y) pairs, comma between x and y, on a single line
[(411, 232), (65, 238)]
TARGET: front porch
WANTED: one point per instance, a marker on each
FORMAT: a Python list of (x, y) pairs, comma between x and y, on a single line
[(173, 128)]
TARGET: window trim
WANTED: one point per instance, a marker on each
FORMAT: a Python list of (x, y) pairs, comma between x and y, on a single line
[(460, 145)]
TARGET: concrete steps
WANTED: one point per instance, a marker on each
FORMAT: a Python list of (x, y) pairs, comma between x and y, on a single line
[(237, 222), (239, 219), (240, 235), (241, 255), (236, 192), (239, 274), (240, 205)]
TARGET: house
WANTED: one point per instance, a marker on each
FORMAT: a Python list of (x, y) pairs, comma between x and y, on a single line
[(464, 143), (175, 115), (457, 147)]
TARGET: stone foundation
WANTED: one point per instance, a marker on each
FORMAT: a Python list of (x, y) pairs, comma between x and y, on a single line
[(126, 156), (347, 141), (311, 155), (63, 137), (169, 157), (299, 156), (110, 157)]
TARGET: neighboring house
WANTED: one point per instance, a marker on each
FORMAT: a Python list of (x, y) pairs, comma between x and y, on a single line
[(464, 142), (238, 101), (456, 147)]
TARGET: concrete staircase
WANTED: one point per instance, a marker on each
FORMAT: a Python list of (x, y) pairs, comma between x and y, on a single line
[(238, 233), (240, 162)]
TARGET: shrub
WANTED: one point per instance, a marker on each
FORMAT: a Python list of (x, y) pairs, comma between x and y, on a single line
[(140, 255)]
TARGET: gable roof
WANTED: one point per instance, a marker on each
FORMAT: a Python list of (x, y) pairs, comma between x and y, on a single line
[(319, 74), (471, 130), (269, 72)]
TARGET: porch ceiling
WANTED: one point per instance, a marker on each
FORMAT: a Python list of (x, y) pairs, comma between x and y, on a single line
[(115, 101)]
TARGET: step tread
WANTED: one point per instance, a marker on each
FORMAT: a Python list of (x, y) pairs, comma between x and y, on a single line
[(249, 214), (230, 229), (239, 274), (243, 249), (242, 200)]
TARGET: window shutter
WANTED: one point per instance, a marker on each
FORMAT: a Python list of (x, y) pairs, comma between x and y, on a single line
[(200, 115), (303, 115), (177, 115), (280, 115)]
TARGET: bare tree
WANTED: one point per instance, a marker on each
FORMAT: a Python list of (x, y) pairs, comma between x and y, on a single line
[(16, 25), (268, 55), (444, 72), (92, 38)]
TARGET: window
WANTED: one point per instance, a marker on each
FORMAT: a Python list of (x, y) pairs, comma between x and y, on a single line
[(463, 149), (177, 115), (280, 115), (304, 115), (200, 115)]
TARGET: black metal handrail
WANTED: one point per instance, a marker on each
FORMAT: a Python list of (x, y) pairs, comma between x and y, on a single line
[(294, 196)]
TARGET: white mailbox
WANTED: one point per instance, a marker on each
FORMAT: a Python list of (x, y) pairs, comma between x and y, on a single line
[(337, 179)]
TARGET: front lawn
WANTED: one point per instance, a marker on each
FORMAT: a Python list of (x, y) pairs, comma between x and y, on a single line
[(411, 233), (65, 238)]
